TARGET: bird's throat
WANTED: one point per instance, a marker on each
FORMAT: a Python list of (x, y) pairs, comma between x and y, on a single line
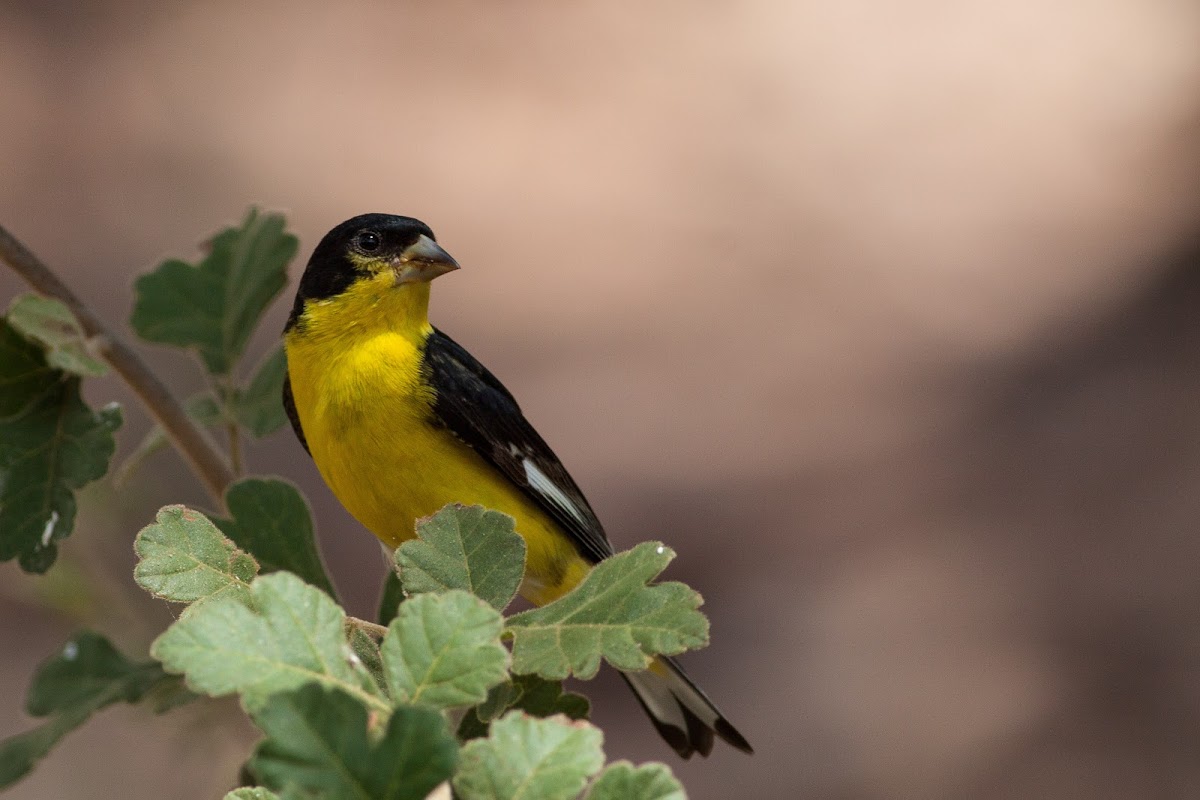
[(368, 308)]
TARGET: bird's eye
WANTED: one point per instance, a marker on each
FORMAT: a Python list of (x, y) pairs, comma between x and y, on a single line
[(368, 241)]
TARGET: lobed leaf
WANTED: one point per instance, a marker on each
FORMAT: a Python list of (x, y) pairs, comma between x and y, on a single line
[(86, 675), (214, 306), (50, 323), (251, 793), (171, 692), (19, 754), (444, 650), (288, 634), (623, 781), (271, 520), (184, 558), (51, 444), (366, 649), (542, 698), (468, 548), (88, 667), (525, 758), (501, 698), (25, 376), (203, 408), (535, 696), (612, 614), (317, 744)]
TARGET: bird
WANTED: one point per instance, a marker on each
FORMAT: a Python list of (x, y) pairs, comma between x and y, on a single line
[(401, 420)]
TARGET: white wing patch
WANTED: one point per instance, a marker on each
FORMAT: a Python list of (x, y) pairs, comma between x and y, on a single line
[(547, 489)]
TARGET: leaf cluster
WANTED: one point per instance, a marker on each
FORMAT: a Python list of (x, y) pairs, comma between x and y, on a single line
[(347, 715), (211, 308), (52, 444), (84, 676), (447, 690)]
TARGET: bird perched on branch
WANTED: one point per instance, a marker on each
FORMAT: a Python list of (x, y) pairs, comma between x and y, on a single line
[(402, 420)]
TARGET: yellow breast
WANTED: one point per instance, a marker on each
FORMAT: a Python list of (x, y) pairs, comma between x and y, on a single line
[(367, 414)]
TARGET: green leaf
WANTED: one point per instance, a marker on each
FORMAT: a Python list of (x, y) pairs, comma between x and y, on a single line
[(525, 758), (444, 650), (19, 754), (86, 675), (25, 377), (471, 726), (214, 306), (203, 408), (367, 650), (317, 743), (623, 781), (251, 793), (500, 698), (88, 667), (390, 598), (171, 692), (542, 698), (464, 547), (535, 696), (51, 444), (289, 634), (271, 521), (612, 614), (51, 324), (259, 408), (183, 558)]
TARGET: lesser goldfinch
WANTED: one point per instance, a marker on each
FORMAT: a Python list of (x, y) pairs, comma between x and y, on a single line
[(401, 420)]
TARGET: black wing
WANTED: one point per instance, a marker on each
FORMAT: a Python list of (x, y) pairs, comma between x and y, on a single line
[(474, 406), (289, 405)]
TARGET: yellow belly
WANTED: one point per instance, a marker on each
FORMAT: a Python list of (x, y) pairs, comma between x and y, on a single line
[(367, 419)]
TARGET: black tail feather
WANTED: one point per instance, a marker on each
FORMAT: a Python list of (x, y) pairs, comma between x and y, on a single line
[(680, 710)]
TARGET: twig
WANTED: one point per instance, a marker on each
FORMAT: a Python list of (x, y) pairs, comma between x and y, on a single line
[(235, 448), (227, 392), (193, 442)]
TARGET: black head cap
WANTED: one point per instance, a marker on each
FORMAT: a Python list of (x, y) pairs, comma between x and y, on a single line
[(330, 270)]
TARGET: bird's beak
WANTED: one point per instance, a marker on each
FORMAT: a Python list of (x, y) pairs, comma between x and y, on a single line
[(422, 261)]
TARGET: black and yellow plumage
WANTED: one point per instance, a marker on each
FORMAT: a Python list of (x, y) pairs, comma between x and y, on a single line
[(401, 420)]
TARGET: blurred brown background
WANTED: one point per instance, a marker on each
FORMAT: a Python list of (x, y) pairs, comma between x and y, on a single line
[(885, 316)]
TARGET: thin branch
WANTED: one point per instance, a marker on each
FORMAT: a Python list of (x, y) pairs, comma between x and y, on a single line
[(235, 448), (226, 392), (222, 389), (192, 441)]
